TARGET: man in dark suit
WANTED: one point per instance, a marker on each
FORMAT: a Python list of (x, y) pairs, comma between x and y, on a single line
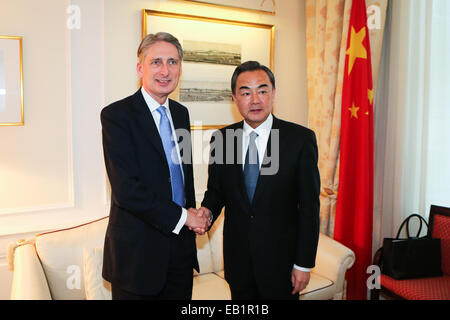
[(150, 250), (264, 171)]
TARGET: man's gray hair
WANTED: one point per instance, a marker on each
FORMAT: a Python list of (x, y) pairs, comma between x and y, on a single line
[(153, 38)]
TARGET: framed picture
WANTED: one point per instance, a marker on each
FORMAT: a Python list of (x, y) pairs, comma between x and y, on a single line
[(259, 6), (11, 81), (212, 50)]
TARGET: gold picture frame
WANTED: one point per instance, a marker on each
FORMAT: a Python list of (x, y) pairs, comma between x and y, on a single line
[(11, 81), (215, 4), (213, 48)]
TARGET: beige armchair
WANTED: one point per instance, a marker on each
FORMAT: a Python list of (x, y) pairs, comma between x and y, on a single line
[(66, 264)]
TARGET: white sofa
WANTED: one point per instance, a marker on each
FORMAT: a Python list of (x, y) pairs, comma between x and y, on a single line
[(66, 264)]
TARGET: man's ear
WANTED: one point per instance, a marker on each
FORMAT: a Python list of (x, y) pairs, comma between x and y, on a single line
[(139, 69)]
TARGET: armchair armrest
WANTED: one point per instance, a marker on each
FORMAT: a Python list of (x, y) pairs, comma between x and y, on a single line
[(29, 281), (332, 261)]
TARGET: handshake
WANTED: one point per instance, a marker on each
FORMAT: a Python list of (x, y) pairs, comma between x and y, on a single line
[(198, 220)]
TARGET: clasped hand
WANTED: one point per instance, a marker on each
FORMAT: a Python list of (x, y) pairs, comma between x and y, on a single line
[(198, 220)]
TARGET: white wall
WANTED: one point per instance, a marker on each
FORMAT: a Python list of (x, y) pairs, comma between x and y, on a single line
[(51, 170)]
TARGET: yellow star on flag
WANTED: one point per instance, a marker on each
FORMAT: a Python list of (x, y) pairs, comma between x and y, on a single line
[(354, 110), (370, 95), (357, 49)]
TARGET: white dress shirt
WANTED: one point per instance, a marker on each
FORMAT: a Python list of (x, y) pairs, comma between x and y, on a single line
[(153, 105), (263, 131)]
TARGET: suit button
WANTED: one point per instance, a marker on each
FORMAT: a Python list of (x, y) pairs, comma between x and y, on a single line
[(252, 217)]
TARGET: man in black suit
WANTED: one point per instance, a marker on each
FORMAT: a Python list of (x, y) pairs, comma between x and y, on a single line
[(264, 171), (150, 250)]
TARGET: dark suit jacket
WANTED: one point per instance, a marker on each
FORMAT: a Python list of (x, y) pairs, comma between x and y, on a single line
[(139, 235), (281, 227)]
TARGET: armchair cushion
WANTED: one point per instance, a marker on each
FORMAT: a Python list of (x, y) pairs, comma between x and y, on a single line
[(318, 288), (437, 288), (210, 287), (61, 255), (204, 254), (96, 288), (215, 235)]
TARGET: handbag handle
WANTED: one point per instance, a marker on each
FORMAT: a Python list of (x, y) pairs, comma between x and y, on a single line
[(407, 225)]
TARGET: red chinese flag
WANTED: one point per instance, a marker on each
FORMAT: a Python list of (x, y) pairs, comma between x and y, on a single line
[(354, 211)]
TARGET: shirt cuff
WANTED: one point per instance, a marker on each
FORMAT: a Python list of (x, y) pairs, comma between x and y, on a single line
[(181, 222), (302, 269)]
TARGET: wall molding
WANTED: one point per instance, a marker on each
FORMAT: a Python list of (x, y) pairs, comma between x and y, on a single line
[(64, 205)]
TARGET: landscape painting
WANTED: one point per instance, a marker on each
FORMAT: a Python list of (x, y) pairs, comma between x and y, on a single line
[(205, 91), (210, 52)]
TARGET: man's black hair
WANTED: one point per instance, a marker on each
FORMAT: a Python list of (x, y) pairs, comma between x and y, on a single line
[(250, 66)]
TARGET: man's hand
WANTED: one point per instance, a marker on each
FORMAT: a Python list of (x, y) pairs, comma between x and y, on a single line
[(203, 212), (300, 280), (197, 221)]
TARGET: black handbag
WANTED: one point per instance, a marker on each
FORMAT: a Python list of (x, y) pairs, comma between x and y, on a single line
[(412, 257)]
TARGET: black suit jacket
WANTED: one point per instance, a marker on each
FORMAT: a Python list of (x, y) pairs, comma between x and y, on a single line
[(139, 235), (281, 226)]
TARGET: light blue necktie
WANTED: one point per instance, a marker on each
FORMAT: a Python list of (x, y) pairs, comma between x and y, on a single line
[(251, 166), (165, 131)]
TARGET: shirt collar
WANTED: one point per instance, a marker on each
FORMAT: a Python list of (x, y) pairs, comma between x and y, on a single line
[(152, 103), (264, 127)]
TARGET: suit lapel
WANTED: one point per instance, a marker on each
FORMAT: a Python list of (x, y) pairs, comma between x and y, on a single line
[(146, 123)]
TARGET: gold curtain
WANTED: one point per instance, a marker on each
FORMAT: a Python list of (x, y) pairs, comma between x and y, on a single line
[(327, 24)]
